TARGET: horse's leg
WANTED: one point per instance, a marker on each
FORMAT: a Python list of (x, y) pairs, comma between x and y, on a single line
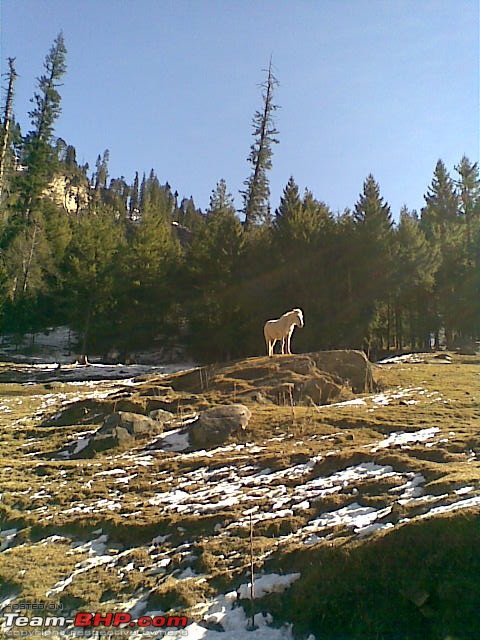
[(271, 344), (283, 346), (289, 337)]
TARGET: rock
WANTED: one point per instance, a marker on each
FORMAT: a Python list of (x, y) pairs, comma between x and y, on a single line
[(128, 405), (320, 390), (283, 393), (196, 380), (169, 404), (215, 425), (85, 411), (156, 390), (119, 429), (236, 416), (136, 424), (348, 365), (161, 416), (117, 437)]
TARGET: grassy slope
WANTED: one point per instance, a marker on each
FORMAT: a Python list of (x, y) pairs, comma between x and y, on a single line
[(419, 580)]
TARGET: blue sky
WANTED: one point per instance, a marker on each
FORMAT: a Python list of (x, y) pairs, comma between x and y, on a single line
[(366, 86)]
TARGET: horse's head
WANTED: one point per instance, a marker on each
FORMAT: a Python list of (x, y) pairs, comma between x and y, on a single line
[(298, 317)]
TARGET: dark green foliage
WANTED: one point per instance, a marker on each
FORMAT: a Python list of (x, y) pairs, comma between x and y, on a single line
[(372, 273), (213, 264), (145, 290), (448, 234), (415, 266), (387, 590), (89, 276)]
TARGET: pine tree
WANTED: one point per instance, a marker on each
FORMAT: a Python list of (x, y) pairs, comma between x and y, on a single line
[(213, 262), (89, 275), (289, 211), (468, 189), (220, 199), (415, 267), (134, 198), (101, 170), (445, 230), (27, 237), (372, 278), (469, 197), (441, 203), (257, 192), (47, 100), (146, 281)]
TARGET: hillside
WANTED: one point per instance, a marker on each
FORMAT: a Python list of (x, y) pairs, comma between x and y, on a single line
[(362, 484)]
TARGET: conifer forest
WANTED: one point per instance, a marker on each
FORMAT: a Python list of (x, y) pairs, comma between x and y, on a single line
[(128, 263)]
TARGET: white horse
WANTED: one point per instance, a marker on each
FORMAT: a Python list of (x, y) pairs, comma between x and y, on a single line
[(282, 329)]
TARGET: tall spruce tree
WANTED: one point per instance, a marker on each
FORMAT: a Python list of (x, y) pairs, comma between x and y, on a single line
[(256, 195), (47, 101), (214, 258), (372, 278), (468, 188), (146, 283), (101, 170), (28, 238), (445, 230), (441, 203), (89, 276), (301, 241), (134, 198), (415, 266)]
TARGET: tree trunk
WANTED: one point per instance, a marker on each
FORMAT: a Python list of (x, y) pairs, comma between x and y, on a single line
[(26, 270), (6, 120)]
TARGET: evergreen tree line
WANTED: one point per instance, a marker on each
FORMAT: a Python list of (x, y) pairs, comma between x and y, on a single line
[(132, 267)]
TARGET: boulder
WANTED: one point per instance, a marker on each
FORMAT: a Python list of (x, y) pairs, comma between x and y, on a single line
[(216, 425), (352, 366), (135, 423), (85, 411), (161, 416), (320, 390), (116, 437)]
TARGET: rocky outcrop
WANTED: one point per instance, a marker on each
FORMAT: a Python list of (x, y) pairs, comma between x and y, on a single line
[(72, 197), (320, 377)]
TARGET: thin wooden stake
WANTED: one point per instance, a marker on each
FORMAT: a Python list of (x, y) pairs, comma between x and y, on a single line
[(252, 575), (292, 405)]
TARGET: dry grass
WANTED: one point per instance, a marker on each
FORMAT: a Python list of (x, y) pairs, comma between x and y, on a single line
[(40, 494)]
